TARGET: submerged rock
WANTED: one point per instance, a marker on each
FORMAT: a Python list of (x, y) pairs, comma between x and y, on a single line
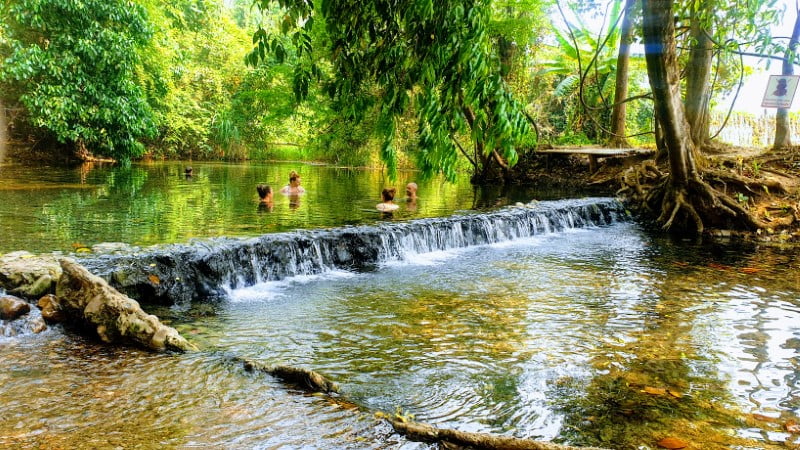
[(28, 275), (51, 309), (88, 299), (12, 308)]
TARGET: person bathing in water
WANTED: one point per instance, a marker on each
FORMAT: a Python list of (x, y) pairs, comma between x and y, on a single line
[(411, 192), (411, 196), (293, 188), (387, 203), (264, 194)]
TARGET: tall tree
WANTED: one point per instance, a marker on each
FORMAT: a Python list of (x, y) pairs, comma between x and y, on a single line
[(618, 123), (685, 201), (72, 65), (698, 72), (783, 135)]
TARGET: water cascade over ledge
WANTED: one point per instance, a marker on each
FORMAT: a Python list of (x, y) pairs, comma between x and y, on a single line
[(175, 274)]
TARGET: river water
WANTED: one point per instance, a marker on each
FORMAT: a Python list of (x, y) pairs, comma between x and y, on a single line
[(601, 335), (50, 208)]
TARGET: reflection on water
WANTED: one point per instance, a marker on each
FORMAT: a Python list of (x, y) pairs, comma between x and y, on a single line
[(595, 337), (145, 204)]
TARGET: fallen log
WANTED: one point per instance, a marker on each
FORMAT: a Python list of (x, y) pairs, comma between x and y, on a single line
[(303, 378), (423, 432)]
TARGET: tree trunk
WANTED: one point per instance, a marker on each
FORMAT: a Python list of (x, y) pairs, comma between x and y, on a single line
[(82, 153), (3, 131), (683, 200), (621, 90), (662, 69), (506, 50), (698, 73), (783, 135)]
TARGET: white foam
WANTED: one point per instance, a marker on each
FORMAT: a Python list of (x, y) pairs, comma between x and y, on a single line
[(271, 290), (425, 259), (531, 241)]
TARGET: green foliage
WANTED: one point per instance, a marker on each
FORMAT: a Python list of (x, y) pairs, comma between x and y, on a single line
[(581, 114), (72, 65), (192, 70), (437, 61)]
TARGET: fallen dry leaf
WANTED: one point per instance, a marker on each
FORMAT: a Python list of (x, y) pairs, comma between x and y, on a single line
[(654, 391), (750, 269), (675, 394), (154, 279), (672, 443), (792, 426), (764, 418)]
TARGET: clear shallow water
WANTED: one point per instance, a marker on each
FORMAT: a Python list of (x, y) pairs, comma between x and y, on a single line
[(555, 337), (49, 208)]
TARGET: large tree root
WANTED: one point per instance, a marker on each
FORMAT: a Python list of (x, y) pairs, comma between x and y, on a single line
[(744, 183), (454, 439), (695, 206)]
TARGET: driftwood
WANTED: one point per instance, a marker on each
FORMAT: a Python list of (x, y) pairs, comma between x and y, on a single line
[(450, 438), (415, 431), (303, 378)]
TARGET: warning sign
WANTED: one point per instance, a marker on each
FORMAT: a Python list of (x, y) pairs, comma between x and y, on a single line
[(780, 91)]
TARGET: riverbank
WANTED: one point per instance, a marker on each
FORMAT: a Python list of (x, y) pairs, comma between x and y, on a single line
[(765, 182)]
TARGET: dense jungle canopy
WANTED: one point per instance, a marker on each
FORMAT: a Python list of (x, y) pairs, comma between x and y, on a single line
[(472, 85)]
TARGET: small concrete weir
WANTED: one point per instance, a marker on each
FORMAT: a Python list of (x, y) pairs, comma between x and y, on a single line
[(203, 269)]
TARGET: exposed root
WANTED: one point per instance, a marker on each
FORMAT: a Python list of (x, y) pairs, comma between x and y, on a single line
[(637, 177), (697, 206), (749, 184)]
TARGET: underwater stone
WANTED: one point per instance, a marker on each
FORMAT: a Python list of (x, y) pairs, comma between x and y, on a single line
[(12, 308)]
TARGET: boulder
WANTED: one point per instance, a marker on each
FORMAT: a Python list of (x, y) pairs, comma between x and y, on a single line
[(12, 308), (28, 275), (88, 299), (51, 309)]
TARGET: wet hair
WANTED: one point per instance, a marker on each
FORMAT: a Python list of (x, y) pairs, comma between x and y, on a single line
[(263, 190), (388, 194), (293, 176), (188, 171)]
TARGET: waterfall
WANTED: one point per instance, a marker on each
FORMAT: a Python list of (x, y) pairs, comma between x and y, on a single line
[(199, 270)]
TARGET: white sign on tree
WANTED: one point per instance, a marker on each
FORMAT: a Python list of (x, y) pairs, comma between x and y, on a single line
[(780, 91)]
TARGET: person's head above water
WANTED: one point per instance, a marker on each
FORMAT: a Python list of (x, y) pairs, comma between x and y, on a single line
[(294, 179), (411, 191), (264, 192), (387, 195)]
